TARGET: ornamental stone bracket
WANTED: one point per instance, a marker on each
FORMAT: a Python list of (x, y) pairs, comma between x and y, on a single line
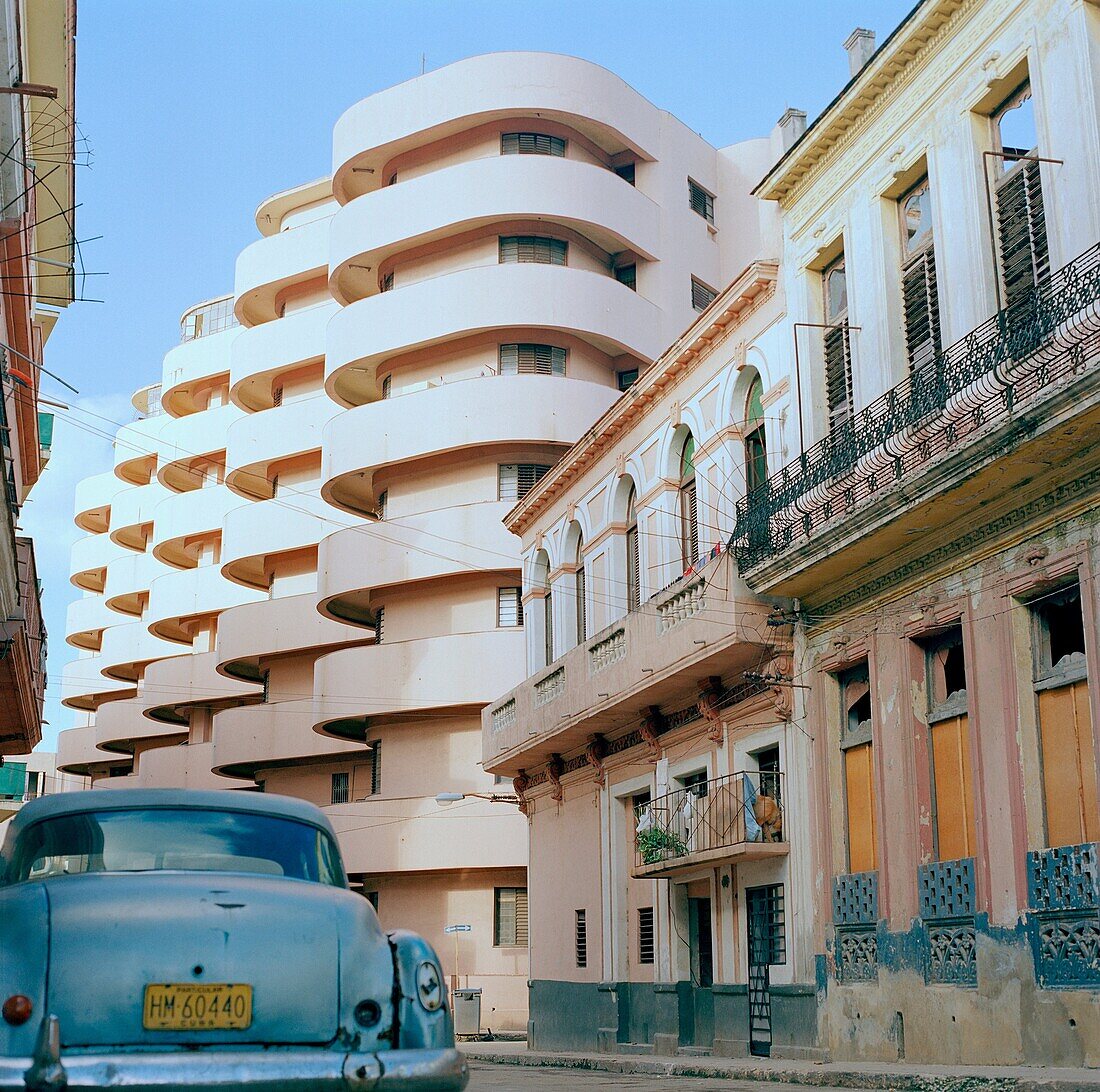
[(709, 691), (649, 728), (595, 753), (554, 769), (520, 785)]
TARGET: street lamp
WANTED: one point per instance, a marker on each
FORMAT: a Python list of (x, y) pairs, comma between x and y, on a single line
[(446, 799)]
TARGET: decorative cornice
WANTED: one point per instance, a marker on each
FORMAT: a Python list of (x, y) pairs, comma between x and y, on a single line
[(863, 98), (748, 293)]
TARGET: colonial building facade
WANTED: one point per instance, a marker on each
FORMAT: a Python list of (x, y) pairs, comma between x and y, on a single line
[(296, 577), (835, 791)]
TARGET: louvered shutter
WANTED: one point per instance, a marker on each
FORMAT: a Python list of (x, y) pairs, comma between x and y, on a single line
[(838, 374), (645, 934), (533, 248), (277, 396), (1022, 233), (531, 359), (383, 500), (376, 768), (531, 144), (700, 201), (633, 590), (379, 622), (701, 296), (921, 309), (690, 521), (509, 607), (548, 628), (521, 917), (581, 937), (387, 385), (515, 480)]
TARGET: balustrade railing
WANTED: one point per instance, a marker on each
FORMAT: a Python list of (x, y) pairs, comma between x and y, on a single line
[(609, 651), (550, 687), (987, 377), (685, 604), (711, 815)]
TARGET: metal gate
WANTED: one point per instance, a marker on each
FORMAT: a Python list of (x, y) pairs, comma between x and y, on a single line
[(763, 916)]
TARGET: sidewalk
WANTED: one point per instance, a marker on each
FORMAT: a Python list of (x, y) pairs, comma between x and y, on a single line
[(898, 1077)]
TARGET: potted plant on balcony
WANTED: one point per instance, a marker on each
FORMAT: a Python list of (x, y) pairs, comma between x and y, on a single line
[(659, 845)]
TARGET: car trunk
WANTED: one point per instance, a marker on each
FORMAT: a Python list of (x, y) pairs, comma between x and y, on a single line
[(112, 934)]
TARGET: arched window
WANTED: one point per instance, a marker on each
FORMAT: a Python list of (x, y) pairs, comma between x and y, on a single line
[(689, 505), (633, 584), (579, 592), (756, 447)]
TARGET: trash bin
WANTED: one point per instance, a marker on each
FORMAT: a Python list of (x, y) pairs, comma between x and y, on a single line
[(467, 1006)]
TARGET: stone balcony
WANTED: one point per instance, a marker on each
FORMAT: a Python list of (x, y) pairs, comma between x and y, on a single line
[(706, 625)]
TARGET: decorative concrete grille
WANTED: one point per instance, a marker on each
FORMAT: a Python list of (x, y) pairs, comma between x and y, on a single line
[(504, 716), (946, 889), (1064, 895), (951, 954), (550, 688), (857, 954), (607, 652), (683, 605), (855, 899)]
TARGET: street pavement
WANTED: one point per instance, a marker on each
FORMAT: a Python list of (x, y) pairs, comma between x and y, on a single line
[(485, 1076)]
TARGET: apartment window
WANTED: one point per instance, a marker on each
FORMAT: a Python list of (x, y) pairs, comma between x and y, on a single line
[(755, 442), (1021, 219), (386, 283), (857, 747), (509, 607), (633, 568), (383, 501), (580, 937), (920, 301), (516, 480), (528, 359), (645, 934), (265, 686), (510, 917), (702, 295), (949, 732), (701, 201), (771, 781), (340, 787), (375, 767), (531, 144), (274, 485), (379, 623), (1066, 732), (628, 275), (627, 172), (767, 934), (627, 378), (533, 248), (689, 504), (838, 345), (277, 396), (387, 386)]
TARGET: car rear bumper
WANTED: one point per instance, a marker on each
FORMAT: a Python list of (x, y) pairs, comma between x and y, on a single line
[(272, 1070)]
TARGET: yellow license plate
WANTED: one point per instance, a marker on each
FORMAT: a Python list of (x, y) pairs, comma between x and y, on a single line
[(190, 1006)]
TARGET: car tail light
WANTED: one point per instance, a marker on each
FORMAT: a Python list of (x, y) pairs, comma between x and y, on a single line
[(17, 1009)]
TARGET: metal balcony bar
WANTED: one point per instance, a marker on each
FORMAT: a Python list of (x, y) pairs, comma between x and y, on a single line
[(701, 821), (1041, 340)]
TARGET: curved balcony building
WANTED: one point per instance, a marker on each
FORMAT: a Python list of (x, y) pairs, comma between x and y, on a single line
[(502, 247)]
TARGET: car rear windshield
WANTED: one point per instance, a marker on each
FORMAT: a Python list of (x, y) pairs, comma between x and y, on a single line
[(178, 839)]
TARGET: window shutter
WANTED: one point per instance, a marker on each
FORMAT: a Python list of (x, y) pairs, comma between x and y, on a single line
[(581, 937), (530, 359), (510, 917), (921, 309), (1022, 232), (701, 202), (379, 616), (515, 480), (838, 374), (386, 283), (509, 607), (531, 144), (582, 607), (533, 248), (645, 934), (548, 606), (383, 500), (701, 296), (633, 590), (521, 917), (277, 396), (265, 681), (690, 523), (376, 768)]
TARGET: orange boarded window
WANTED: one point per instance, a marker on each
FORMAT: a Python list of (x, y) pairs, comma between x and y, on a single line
[(857, 747), (949, 731), (1066, 737)]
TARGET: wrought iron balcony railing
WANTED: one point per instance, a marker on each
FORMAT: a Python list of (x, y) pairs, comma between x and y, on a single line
[(706, 820), (998, 370)]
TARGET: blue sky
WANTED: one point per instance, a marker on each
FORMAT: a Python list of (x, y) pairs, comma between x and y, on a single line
[(195, 111)]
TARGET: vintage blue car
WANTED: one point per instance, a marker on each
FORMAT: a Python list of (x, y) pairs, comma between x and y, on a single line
[(169, 939)]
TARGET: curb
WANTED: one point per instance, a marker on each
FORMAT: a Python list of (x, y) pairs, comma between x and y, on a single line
[(818, 1077)]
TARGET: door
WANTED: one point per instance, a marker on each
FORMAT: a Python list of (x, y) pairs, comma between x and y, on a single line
[(759, 986)]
